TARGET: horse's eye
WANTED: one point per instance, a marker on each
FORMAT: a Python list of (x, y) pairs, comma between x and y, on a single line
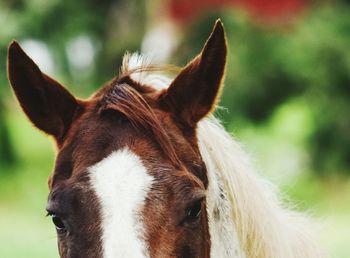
[(194, 211), (59, 224)]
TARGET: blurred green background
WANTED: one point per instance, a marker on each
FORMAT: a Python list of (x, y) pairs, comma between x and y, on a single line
[(286, 96)]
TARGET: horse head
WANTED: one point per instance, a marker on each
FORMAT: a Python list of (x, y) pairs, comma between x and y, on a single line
[(129, 179)]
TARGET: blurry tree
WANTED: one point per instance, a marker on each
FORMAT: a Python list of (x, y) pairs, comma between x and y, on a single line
[(269, 65), (7, 156)]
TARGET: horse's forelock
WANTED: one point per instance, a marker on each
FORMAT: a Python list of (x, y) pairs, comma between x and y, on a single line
[(125, 99)]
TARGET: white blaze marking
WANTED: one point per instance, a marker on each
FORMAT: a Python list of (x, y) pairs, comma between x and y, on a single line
[(121, 183)]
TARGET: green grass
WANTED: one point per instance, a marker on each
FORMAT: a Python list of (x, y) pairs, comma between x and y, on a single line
[(329, 202), (25, 232)]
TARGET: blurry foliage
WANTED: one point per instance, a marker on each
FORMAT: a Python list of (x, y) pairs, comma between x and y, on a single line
[(7, 156), (307, 59), (110, 24)]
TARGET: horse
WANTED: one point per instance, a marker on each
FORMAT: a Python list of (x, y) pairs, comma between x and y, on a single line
[(144, 169)]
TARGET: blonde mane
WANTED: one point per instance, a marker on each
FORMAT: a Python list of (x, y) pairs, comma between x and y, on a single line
[(265, 228), (246, 217)]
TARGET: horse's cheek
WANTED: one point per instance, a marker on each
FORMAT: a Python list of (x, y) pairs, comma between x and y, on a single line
[(62, 248)]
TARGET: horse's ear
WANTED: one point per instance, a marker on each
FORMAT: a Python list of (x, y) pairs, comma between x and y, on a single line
[(47, 104), (194, 92)]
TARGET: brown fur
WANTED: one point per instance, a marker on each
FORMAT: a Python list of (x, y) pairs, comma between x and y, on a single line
[(159, 127)]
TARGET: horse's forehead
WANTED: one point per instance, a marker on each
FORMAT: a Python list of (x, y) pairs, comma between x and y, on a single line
[(121, 183), (94, 136)]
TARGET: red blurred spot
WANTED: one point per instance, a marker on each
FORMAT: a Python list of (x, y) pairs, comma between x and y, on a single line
[(187, 10)]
